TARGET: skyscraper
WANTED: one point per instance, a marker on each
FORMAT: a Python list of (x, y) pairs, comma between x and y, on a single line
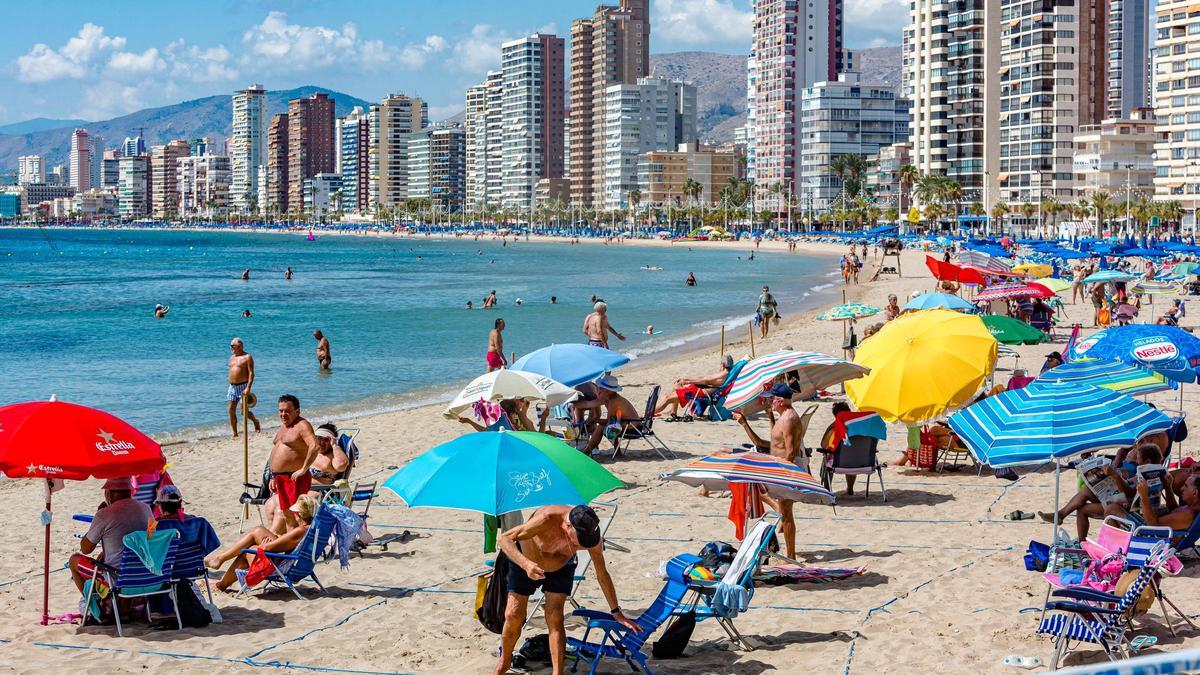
[(203, 184), (1176, 102), (483, 124), (533, 104), (392, 122), (652, 115), (276, 171), (133, 191), (81, 160), (310, 143), (133, 146), (437, 167), (31, 169), (354, 142), (247, 145), (1128, 56), (164, 187), (612, 47)]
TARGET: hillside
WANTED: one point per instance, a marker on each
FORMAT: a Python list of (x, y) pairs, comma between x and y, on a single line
[(37, 124), (209, 116)]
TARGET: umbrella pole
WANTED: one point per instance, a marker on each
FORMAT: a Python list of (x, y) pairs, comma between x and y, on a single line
[(46, 563), (1057, 474), (751, 327), (245, 454), (722, 340)]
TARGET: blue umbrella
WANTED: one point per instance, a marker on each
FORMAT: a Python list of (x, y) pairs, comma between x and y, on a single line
[(1171, 351), (1125, 378), (938, 301), (572, 364), (1051, 420), (1142, 253)]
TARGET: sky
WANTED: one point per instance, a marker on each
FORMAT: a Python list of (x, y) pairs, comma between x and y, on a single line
[(96, 60)]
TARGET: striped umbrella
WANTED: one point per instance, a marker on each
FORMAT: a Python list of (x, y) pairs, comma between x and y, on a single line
[(848, 312), (1054, 284), (1155, 287), (939, 301), (816, 371), (1010, 291), (1108, 275), (1050, 420), (983, 261), (1125, 378), (1186, 268), (782, 479)]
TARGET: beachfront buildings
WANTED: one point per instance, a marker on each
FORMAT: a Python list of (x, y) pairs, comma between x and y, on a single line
[(203, 183), (110, 170), (662, 174), (247, 144), (1128, 41), (1177, 105), (321, 194), (653, 114), (31, 169), (164, 186), (310, 143), (1116, 157), (794, 47), (532, 102), (391, 123), (483, 123), (81, 160), (353, 139), (883, 178), (612, 47), (133, 190), (844, 118), (437, 167), (276, 173)]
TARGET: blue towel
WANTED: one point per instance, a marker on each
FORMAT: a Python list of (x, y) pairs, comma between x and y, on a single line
[(193, 529), (729, 600), (152, 551), (346, 525)]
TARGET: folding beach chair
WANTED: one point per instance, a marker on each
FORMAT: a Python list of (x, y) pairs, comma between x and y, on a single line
[(643, 430), (952, 448), (607, 511), (189, 562), (858, 456), (147, 492), (134, 580), (805, 419), (618, 642), (299, 565), (256, 495), (716, 408)]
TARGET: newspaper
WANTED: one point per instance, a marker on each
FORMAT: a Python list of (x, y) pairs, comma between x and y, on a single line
[(1154, 475), (1098, 480)]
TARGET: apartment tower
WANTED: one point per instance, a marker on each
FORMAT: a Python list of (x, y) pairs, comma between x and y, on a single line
[(354, 140), (81, 160), (31, 169), (392, 123), (276, 173), (247, 145), (164, 186), (1177, 102), (1128, 57), (310, 143), (483, 124), (532, 101)]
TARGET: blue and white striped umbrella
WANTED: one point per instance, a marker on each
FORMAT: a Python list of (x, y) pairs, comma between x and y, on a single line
[(1050, 420), (1124, 378), (939, 301)]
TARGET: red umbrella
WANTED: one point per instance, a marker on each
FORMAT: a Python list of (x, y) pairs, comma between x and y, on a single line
[(55, 440)]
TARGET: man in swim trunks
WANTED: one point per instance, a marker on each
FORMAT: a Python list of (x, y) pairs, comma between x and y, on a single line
[(241, 379), (323, 356), (542, 553), (495, 348), (597, 328), (296, 447), (767, 309), (786, 443)]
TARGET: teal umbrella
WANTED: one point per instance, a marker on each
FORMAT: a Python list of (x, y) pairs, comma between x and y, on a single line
[(1186, 268), (497, 472), (848, 311), (1010, 331)]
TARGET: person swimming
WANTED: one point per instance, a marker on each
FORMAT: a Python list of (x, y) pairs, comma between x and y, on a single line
[(650, 329), (245, 314), (554, 299), (161, 310)]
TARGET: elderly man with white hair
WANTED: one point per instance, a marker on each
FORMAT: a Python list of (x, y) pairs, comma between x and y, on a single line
[(597, 328)]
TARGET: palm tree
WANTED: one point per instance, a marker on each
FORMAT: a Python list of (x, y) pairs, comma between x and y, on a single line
[(953, 195), (692, 189), (999, 211), (908, 176), (1102, 205), (933, 214), (850, 169)]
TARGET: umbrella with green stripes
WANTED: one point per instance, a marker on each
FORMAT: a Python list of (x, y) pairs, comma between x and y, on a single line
[(848, 311)]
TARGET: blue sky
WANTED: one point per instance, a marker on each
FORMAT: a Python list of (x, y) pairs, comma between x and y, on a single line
[(97, 59)]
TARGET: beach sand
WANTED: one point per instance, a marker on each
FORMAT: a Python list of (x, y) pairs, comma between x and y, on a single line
[(945, 589)]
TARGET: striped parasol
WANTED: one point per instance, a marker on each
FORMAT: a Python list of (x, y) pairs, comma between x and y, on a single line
[(848, 312), (983, 261), (1154, 287), (1010, 291), (1108, 275), (1125, 378), (782, 479), (815, 371), (1050, 420)]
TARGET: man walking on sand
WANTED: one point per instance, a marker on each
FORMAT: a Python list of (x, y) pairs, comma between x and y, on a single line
[(542, 554), (296, 446), (786, 436), (495, 348), (323, 356), (597, 328), (241, 379)]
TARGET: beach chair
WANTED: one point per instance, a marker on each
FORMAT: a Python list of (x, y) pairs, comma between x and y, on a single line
[(643, 430), (189, 562), (805, 419), (857, 456), (617, 642), (607, 511), (299, 565), (717, 411), (256, 495), (1087, 616), (737, 582), (134, 580), (147, 492), (953, 448)]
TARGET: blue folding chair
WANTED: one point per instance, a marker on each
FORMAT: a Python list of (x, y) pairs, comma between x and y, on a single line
[(299, 565), (134, 580), (189, 563), (147, 493)]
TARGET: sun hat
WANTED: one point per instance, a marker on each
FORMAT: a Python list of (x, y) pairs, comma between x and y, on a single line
[(609, 382)]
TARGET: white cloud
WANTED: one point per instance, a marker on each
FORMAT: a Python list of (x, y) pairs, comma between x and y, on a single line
[(479, 51), (416, 55), (132, 64), (72, 61), (275, 42), (701, 22), (877, 22), (190, 62), (109, 98)]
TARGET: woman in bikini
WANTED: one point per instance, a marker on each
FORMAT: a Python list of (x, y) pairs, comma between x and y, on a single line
[(261, 537)]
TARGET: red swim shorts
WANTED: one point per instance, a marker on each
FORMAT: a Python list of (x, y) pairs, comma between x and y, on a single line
[(286, 490), (494, 360)]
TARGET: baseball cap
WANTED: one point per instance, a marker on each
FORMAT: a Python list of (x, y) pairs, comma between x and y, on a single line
[(609, 382), (1055, 355), (169, 494), (118, 484), (586, 524), (781, 390)]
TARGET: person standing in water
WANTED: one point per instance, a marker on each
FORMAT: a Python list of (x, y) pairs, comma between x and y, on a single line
[(246, 274), (597, 328), (241, 379), (691, 280), (495, 348), (324, 358), (287, 274), (161, 310)]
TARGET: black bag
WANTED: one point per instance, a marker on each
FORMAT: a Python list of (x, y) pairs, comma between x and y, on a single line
[(536, 648), (715, 554), (495, 597), (675, 639), (193, 612)]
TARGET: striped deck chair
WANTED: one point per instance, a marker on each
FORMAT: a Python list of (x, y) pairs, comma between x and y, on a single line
[(1088, 616), (189, 563), (134, 580), (299, 565), (147, 492), (618, 642)]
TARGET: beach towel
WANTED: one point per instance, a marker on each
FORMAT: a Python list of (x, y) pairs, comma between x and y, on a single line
[(860, 423), (193, 530), (778, 575), (150, 549), (346, 525), (737, 506), (729, 600)]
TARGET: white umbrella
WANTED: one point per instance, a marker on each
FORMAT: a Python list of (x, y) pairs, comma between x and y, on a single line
[(499, 385)]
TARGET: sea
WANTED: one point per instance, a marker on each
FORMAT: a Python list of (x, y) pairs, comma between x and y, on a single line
[(78, 313)]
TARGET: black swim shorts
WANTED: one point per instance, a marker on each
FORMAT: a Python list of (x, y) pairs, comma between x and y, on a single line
[(558, 581)]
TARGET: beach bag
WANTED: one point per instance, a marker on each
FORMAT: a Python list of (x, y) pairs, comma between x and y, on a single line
[(927, 452), (261, 568), (717, 555), (675, 639), (192, 611), (1037, 557), (495, 597), (536, 648), (1144, 602)]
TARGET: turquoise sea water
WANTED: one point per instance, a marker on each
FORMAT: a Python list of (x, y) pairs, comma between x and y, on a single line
[(79, 313)]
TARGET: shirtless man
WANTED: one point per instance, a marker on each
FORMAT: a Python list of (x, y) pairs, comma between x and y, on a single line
[(490, 301), (1178, 516), (787, 435), (296, 446), (246, 274), (495, 348), (597, 328), (161, 310), (323, 356), (241, 379), (620, 413), (541, 553)]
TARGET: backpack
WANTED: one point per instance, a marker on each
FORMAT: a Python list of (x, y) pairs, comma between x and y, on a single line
[(192, 611), (536, 648), (675, 638), (715, 555), (495, 597)]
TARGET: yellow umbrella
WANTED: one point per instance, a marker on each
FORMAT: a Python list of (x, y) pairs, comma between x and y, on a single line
[(1055, 284), (1034, 269), (922, 365)]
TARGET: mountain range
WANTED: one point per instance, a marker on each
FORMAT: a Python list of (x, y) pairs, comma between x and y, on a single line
[(721, 107)]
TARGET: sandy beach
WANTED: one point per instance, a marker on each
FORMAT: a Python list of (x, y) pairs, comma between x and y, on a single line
[(945, 589)]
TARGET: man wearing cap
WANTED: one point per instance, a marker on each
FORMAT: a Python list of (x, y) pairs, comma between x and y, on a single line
[(542, 553), (787, 435), (1053, 360), (620, 412), (597, 328), (120, 515)]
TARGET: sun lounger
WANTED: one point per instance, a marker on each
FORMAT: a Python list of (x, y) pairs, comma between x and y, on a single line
[(134, 580), (299, 565)]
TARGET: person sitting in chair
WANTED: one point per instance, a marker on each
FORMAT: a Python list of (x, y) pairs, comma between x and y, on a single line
[(1177, 516), (689, 388), (260, 537), (1123, 470), (619, 412), (119, 515)]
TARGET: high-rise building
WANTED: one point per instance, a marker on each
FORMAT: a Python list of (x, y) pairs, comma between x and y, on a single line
[(310, 143), (662, 174), (533, 102), (653, 114), (110, 170), (484, 124), (321, 193), (1116, 157), (611, 47), (247, 145), (745, 133), (203, 184), (1128, 56), (59, 175), (164, 167), (133, 146), (276, 167), (794, 48), (437, 167), (1177, 106), (97, 161), (81, 160), (391, 124), (354, 144), (205, 146), (31, 169), (133, 191)]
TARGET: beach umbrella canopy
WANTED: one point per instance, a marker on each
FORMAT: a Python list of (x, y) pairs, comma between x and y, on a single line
[(1034, 269), (497, 472), (55, 440), (1109, 275), (1055, 284), (922, 365), (848, 312), (815, 371), (1010, 331), (499, 385), (1052, 420), (1124, 378), (1011, 291), (983, 261), (782, 479), (1154, 287), (938, 301), (1186, 268), (1143, 253), (1171, 351), (571, 363)]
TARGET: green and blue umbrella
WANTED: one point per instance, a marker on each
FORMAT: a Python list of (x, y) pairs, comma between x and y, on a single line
[(848, 312), (1108, 275)]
